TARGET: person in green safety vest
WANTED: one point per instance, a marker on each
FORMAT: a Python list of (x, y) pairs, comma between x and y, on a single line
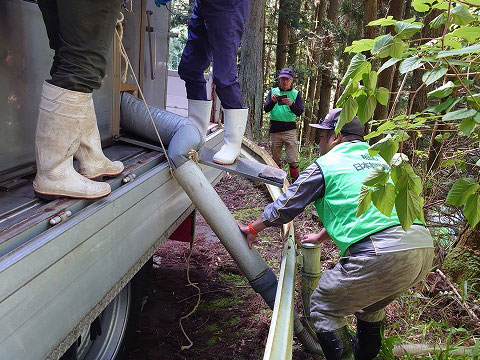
[(379, 260), (285, 104)]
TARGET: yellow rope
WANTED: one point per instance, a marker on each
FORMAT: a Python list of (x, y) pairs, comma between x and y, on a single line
[(186, 347), (193, 155), (122, 49)]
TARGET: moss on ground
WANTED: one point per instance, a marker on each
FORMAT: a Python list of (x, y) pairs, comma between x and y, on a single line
[(248, 213)]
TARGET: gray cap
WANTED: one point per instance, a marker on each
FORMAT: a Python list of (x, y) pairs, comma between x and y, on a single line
[(354, 127)]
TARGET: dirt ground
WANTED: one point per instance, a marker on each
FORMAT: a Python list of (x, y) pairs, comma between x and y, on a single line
[(231, 320)]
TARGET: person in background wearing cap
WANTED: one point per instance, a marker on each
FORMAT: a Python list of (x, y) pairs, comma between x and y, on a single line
[(379, 260), (285, 104), (214, 33)]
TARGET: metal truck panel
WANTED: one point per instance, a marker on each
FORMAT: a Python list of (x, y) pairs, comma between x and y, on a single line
[(52, 283), (27, 59)]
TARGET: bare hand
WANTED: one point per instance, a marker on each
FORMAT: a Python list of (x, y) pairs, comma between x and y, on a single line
[(311, 238), (274, 98), (287, 101), (251, 238)]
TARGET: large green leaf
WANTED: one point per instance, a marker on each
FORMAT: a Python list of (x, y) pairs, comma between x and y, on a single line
[(378, 176), (433, 75), (364, 200), (472, 209), (387, 64), (351, 88), (461, 15), (358, 66), (477, 163), (459, 114), (404, 177), (467, 125), (382, 94), (442, 91), (349, 110), (388, 21), (381, 48), (370, 80), (461, 190), (386, 147), (409, 206), (421, 5), (406, 30), (366, 107), (469, 33), (462, 51), (383, 198), (438, 21), (474, 101), (360, 46), (396, 50), (410, 64)]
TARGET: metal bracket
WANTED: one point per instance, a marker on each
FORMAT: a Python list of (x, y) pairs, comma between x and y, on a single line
[(246, 168)]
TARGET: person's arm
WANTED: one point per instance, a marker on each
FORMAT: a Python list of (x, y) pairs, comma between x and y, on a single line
[(297, 107), (269, 102), (316, 238), (309, 187)]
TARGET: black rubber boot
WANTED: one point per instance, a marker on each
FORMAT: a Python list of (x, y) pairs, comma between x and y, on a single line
[(369, 339), (337, 344)]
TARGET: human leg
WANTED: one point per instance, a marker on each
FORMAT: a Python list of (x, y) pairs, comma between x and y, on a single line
[(276, 147), (347, 288), (196, 56), (80, 32), (58, 136), (291, 147), (224, 21)]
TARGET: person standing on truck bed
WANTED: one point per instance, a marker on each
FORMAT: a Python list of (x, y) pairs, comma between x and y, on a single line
[(379, 260), (80, 32), (214, 33)]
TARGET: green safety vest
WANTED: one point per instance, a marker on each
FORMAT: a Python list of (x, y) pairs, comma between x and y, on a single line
[(344, 168), (283, 112)]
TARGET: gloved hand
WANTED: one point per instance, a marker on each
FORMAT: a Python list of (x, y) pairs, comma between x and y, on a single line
[(161, 2)]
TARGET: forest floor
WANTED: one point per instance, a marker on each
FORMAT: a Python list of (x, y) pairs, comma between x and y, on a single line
[(232, 321)]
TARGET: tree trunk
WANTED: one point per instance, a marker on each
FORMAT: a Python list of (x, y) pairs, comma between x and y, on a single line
[(418, 101), (463, 262), (385, 79), (282, 35), (251, 65), (315, 51), (268, 49), (327, 66), (370, 14)]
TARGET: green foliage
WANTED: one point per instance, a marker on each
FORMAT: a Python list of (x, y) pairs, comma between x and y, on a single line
[(454, 98)]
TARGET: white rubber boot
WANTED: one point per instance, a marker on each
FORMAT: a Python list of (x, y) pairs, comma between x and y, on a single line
[(235, 122), (58, 135), (93, 163), (199, 112)]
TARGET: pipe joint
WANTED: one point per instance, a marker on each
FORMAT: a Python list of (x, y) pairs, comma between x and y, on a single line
[(266, 286)]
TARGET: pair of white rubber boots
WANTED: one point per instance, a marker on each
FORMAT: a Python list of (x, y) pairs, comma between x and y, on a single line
[(67, 128), (235, 121)]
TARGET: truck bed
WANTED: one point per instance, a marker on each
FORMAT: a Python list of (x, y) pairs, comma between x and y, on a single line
[(60, 277)]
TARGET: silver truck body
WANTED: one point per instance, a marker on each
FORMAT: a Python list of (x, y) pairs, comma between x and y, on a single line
[(56, 279)]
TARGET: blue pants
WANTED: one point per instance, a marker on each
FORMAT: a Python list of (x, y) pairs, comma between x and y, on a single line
[(214, 34)]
